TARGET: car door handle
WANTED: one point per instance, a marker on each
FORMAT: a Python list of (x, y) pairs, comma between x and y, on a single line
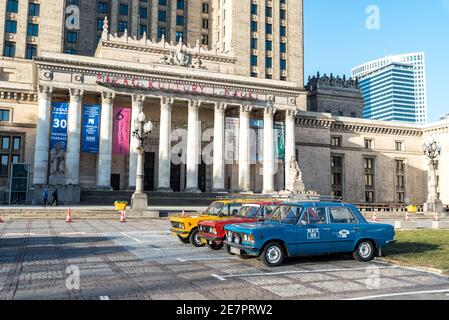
[(326, 229), (356, 229)]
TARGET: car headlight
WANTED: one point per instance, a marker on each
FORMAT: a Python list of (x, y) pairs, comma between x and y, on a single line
[(248, 238), (213, 231), (229, 236), (237, 239)]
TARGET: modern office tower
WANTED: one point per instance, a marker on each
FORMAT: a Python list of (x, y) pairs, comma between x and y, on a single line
[(389, 94), (417, 61)]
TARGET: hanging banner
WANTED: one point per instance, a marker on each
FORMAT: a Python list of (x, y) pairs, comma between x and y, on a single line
[(256, 140), (91, 129), (120, 141), (231, 139), (58, 132), (279, 135)]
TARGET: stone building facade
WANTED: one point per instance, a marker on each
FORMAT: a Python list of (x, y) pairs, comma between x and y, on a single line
[(338, 96)]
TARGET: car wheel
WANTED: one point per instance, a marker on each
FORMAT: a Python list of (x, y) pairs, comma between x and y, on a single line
[(228, 249), (215, 246), (195, 239), (183, 240), (364, 251), (273, 254)]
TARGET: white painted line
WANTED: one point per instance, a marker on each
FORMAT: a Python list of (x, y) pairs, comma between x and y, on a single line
[(218, 277), (72, 233), (265, 274), (104, 298), (399, 294), (205, 259), (18, 234), (132, 238)]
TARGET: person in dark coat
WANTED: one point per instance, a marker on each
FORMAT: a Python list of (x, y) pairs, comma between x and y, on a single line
[(55, 198)]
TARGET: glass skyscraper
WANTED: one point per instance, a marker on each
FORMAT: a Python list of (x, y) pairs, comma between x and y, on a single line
[(389, 93), (417, 63)]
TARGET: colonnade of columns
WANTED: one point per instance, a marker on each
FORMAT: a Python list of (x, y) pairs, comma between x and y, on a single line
[(193, 142)]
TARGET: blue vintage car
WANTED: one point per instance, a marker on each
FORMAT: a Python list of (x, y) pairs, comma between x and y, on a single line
[(309, 228)]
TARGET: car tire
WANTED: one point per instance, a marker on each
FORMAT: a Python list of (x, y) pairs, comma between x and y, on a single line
[(195, 240), (183, 240), (215, 246), (364, 251), (273, 254)]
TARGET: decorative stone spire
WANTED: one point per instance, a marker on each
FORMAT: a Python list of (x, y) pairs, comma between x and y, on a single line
[(105, 34)]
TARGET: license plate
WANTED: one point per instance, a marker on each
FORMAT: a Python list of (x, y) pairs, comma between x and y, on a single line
[(235, 251)]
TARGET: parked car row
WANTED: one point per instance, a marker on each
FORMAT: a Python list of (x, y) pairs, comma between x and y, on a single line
[(273, 229)]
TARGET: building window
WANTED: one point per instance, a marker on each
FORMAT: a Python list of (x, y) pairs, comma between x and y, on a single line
[(34, 9), (180, 4), (268, 76), (162, 2), (369, 179), (400, 181), (336, 141), (11, 147), (253, 8), (102, 7), (253, 61), (4, 115), (268, 28), (268, 63), (11, 26), (123, 9), (70, 51), (283, 78), (9, 49), (99, 24), (5, 143), (337, 176), (283, 15), (268, 45), (283, 64), (162, 16), (254, 43), (13, 6), (122, 26), (180, 36), (205, 8), (17, 143), (31, 51), (269, 12), (254, 75), (143, 12), (204, 39), (72, 37), (4, 158), (369, 143), (283, 31), (205, 23), (143, 29), (253, 26), (399, 146), (179, 21), (33, 30), (283, 47), (353, 115), (161, 32)]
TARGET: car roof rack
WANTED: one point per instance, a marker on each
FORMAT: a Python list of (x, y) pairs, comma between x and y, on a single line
[(308, 196)]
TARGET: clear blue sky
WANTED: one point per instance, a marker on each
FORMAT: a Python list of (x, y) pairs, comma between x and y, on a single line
[(336, 39)]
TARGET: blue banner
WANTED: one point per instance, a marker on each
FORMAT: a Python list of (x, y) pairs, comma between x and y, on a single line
[(90, 128), (58, 133)]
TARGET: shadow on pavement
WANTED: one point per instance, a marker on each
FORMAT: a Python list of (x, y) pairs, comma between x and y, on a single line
[(410, 248)]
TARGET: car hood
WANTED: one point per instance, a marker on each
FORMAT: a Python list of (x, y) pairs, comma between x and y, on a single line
[(193, 218), (222, 223), (255, 226)]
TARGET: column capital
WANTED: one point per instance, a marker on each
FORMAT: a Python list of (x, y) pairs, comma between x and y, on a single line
[(221, 106), (245, 108), (108, 96), (269, 111), (291, 113), (166, 102), (138, 98), (194, 105), (76, 94), (45, 89)]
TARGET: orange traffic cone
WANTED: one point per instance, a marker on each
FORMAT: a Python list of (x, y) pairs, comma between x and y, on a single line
[(122, 216), (69, 218)]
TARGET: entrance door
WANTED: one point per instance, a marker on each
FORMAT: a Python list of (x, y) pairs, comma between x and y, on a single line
[(175, 177), (202, 177), (115, 182), (148, 183)]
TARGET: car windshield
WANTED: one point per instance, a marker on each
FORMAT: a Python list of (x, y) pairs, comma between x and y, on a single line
[(214, 209), (248, 211), (286, 214)]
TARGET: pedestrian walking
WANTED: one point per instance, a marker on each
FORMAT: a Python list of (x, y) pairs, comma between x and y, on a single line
[(55, 198), (45, 197)]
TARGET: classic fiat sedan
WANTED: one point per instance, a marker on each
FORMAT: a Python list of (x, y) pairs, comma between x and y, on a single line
[(309, 228)]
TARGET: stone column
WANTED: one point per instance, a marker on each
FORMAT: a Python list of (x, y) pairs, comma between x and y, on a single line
[(165, 145), (74, 136), (244, 149), (137, 108), (192, 147), (105, 155), (290, 145), (135, 17), (268, 150), (42, 145), (218, 184)]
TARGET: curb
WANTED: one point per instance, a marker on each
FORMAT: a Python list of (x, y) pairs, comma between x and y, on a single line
[(415, 267)]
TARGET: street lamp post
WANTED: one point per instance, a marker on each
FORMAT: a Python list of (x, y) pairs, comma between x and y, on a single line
[(141, 133), (433, 205)]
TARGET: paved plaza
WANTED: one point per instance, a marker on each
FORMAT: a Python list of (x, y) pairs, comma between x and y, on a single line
[(93, 259)]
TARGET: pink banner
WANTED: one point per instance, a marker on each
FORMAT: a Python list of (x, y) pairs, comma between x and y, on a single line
[(120, 141)]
